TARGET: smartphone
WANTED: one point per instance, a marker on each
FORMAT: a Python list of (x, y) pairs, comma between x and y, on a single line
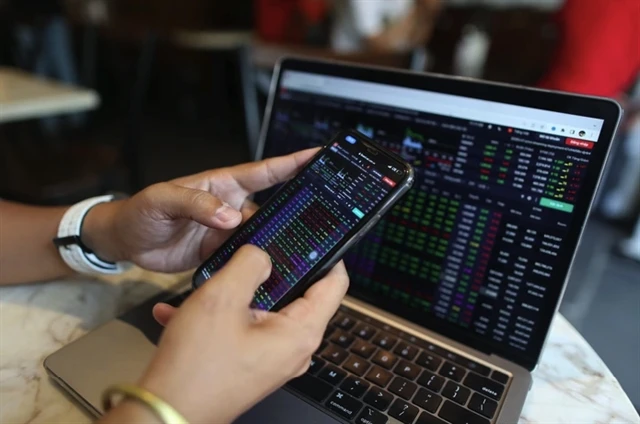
[(314, 218)]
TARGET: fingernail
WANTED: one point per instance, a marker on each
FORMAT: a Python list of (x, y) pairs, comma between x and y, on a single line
[(225, 212)]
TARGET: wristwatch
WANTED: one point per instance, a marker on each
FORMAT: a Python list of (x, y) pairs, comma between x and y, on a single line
[(73, 252)]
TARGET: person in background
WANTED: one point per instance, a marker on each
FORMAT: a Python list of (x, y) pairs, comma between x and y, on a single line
[(217, 357), (599, 48), (292, 21), (599, 54), (621, 202), (382, 25)]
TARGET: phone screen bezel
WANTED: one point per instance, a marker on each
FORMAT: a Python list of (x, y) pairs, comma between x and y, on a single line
[(333, 256)]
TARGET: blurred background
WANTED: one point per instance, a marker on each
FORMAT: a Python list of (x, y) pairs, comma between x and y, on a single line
[(156, 90)]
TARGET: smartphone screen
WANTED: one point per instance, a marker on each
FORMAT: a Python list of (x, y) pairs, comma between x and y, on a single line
[(348, 184)]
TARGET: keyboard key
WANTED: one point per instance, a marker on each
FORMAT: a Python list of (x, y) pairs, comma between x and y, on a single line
[(311, 387), (329, 331), (344, 405), (378, 398), (407, 370), (379, 376), (456, 414), (335, 354), (440, 351), (392, 330), (316, 365), (345, 322), (385, 359), (356, 365), (371, 416), (427, 418), (489, 388), (436, 349), (332, 375), (322, 346), (403, 411), (362, 348), (354, 386), (473, 366), (342, 339), (452, 371), (385, 341), (429, 361), (364, 331), (427, 400), (456, 392), (406, 350), (413, 339), (451, 356), (357, 315), (482, 405), (403, 388), (500, 377), (431, 381)]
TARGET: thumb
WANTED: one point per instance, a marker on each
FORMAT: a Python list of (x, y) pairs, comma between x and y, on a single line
[(234, 286), (200, 206), (163, 313)]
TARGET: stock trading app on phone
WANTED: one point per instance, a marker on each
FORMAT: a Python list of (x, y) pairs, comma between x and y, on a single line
[(308, 218)]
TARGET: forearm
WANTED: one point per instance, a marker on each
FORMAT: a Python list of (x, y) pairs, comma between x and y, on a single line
[(27, 253)]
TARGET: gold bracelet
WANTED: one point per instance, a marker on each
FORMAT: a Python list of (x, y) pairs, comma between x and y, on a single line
[(165, 412)]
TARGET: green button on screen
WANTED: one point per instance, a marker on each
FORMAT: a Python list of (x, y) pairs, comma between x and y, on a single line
[(554, 204), (358, 212)]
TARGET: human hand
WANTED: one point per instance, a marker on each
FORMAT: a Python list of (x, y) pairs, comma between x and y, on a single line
[(174, 226), (217, 357)]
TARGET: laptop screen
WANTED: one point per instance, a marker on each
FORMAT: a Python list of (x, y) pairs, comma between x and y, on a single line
[(475, 250)]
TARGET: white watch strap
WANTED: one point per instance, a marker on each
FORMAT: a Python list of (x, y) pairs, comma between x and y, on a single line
[(74, 256)]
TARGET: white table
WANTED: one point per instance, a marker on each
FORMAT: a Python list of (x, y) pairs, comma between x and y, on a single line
[(25, 96), (571, 384)]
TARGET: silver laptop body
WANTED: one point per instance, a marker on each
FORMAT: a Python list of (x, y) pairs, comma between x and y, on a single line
[(454, 130)]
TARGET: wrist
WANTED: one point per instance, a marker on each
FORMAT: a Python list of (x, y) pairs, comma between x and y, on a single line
[(130, 411), (186, 403), (99, 232)]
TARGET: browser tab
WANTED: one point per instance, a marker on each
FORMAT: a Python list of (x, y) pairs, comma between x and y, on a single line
[(499, 115)]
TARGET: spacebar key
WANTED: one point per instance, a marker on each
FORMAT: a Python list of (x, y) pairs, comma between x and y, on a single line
[(458, 415), (311, 387)]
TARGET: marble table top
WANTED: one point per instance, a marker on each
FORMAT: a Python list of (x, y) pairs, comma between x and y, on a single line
[(25, 96), (571, 384)]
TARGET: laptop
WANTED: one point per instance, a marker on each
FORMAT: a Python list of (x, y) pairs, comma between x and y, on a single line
[(453, 293)]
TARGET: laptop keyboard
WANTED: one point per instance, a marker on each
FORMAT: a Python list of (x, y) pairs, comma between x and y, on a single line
[(366, 371)]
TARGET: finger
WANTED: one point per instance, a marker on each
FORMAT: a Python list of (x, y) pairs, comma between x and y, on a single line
[(248, 209), (175, 201), (234, 286), (321, 300), (256, 176), (163, 313), (259, 315), (213, 239)]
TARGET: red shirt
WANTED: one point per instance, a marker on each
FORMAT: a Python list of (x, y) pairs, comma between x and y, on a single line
[(599, 48), (285, 21)]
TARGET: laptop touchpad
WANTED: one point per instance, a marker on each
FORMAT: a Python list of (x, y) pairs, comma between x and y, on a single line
[(283, 407)]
